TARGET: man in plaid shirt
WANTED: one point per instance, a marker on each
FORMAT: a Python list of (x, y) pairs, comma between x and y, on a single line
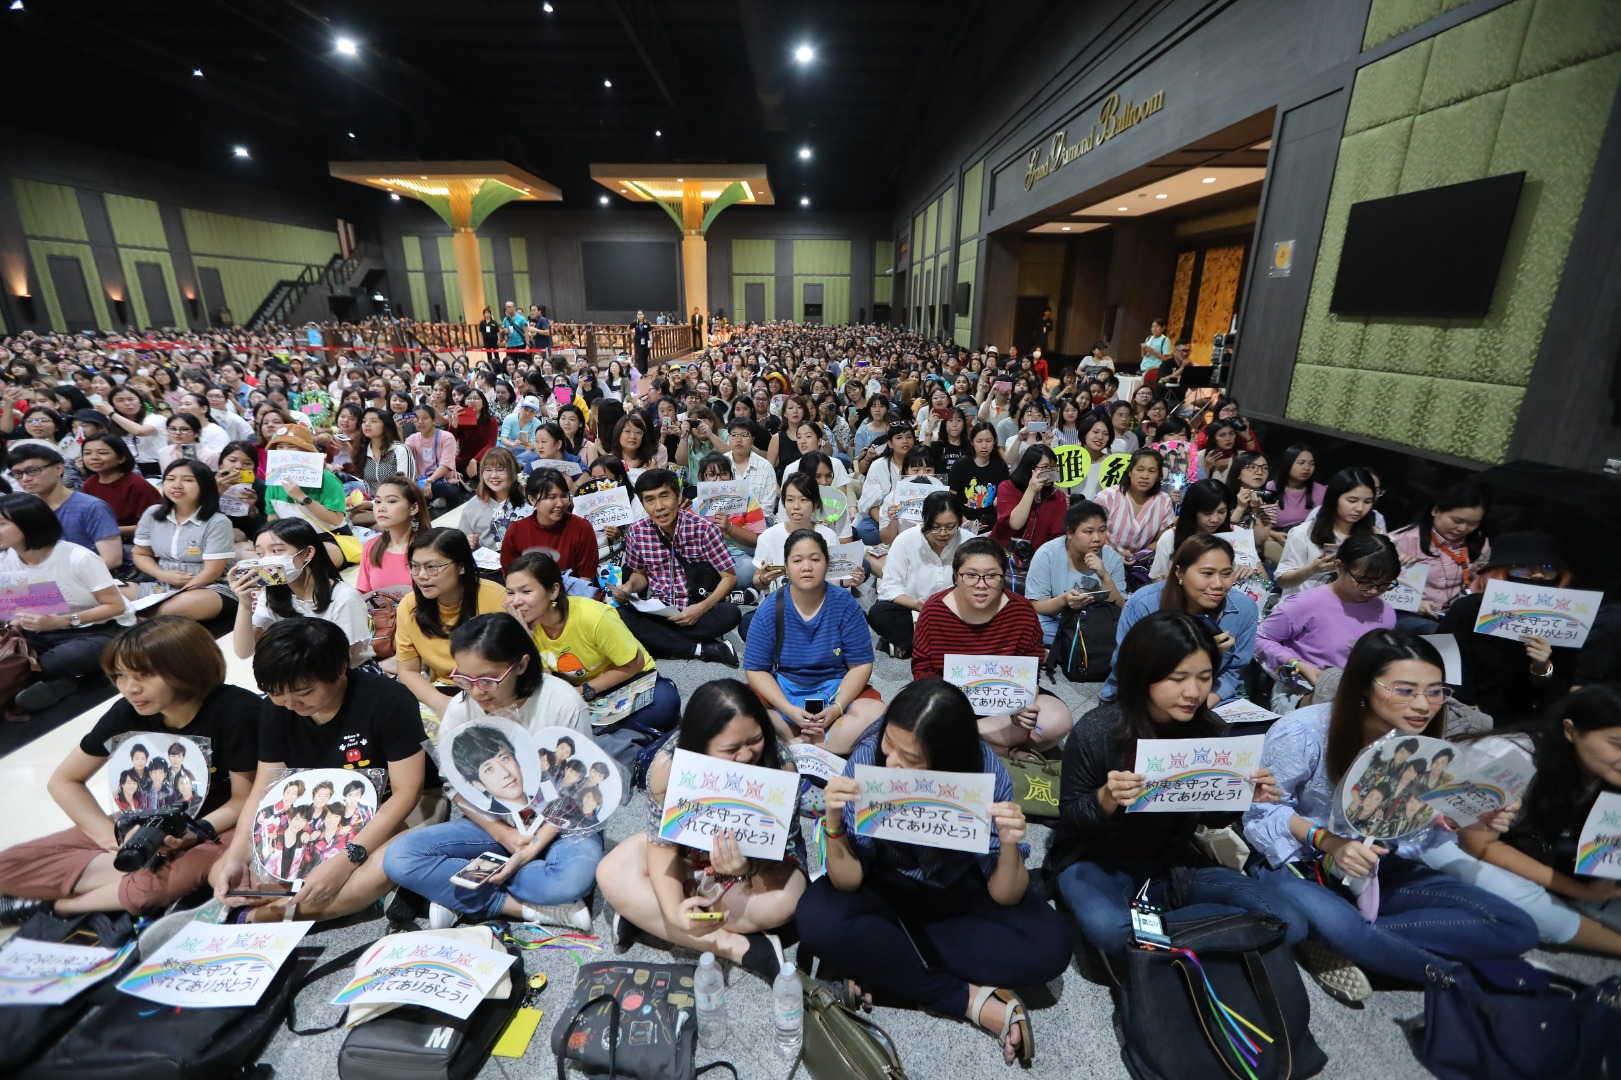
[(700, 623)]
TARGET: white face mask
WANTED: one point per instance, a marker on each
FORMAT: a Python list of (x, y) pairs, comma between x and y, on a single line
[(289, 568)]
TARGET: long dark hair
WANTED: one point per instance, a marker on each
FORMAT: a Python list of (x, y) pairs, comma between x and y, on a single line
[(501, 639), (453, 545), (1372, 654), (1029, 462), (208, 492), (1286, 465), (940, 717), (1464, 495), (716, 704), (1201, 497), (1354, 476), (377, 546), (1173, 596), (1554, 804), (1149, 653), (299, 534)]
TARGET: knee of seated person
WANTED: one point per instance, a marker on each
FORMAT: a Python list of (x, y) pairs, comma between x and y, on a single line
[(145, 892)]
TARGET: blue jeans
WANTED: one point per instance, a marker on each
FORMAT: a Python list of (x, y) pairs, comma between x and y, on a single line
[(867, 529), (1098, 892), (1425, 917), (423, 861), (623, 741), (743, 565)]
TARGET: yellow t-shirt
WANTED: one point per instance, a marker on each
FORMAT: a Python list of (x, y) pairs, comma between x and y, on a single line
[(594, 639), (410, 643)]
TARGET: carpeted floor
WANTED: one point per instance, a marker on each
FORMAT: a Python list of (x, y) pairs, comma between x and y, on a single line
[(1074, 1035)]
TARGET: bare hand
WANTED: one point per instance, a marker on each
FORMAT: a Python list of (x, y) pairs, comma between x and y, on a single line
[(523, 856), (1354, 858), (322, 884), (244, 584), (698, 927), (1124, 787), (687, 615), (1538, 651), (1324, 562), (841, 791), (726, 857), (1266, 786), (229, 872), (1224, 641), (1499, 820), (293, 489), (1008, 820)]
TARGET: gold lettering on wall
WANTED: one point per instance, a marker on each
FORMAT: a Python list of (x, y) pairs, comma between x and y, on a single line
[(1115, 116)]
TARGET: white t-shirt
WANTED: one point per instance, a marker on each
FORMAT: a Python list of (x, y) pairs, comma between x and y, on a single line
[(78, 572), (347, 610), (768, 548), (555, 704)]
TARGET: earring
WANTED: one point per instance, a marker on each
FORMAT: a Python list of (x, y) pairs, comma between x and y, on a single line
[(415, 524)]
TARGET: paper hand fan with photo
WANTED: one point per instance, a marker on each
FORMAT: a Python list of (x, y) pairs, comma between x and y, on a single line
[(308, 816), (584, 785), (494, 765), (1382, 795), (157, 770)]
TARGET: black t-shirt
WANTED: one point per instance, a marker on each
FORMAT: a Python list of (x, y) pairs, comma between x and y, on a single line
[(1600, 657), (379, 722), (227, 719), (977, 484)]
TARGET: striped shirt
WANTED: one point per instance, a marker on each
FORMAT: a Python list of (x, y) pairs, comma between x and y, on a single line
[(1132, 528), (1012, 631), (814, 650)]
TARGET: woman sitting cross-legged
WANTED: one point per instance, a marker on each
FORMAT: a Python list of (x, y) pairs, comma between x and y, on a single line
[(1392, 683), (500, 674), (810, 643), (880, 897), (661, 889), (187, 545), (1102, 856)]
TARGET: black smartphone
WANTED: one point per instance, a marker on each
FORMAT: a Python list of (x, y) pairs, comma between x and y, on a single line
[(814, 706), (1209, 622), (1270, 498)]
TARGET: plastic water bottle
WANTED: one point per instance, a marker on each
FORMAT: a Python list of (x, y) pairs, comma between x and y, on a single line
[(709, 988), (788, 1002)]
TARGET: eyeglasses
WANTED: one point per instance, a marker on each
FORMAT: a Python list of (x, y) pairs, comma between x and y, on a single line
[(1516, 571), (1438, 695), (29, 474), (1374, 586), (468, 682), (943, 529), (426, 569), (968, 577)]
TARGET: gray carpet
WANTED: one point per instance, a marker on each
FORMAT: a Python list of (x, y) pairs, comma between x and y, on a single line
[(1074, 1035)]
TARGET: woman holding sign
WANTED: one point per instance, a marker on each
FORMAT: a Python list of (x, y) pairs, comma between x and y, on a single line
[(978, 617), (1392, 683), (941, 926), (1104, 854), (1447, 539), (808, 646)]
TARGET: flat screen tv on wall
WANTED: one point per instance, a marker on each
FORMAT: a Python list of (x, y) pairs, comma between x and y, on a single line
[(1435, 252)]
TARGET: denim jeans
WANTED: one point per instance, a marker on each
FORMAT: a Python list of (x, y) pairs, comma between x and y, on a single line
[(1098, 892), (423, 861), (867, 529), (743, 566), (1425, 916)]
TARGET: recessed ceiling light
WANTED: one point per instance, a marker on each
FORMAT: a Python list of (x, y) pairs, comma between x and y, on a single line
[(657, 133), (804, 54), (679, 180), (804, 153), (1208, 180), (603, 200), (196, 73), (547, 8), (1063, 228), (16, 5), (347, 46), (394, 195), (804, 200), (608, 83), (240, 151), (1122, 208), (351, 134), (1162, 195)]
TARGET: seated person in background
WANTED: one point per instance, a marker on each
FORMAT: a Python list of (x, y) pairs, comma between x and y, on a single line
[(324, 507), (112, 476), (1206, 510), (1447, 539), (740, 531), (917, 567), (64, 646), (401, 512), (185, 432), (919, 465), (661, 552), (321, 715), (435, 453), (555, 529), (1317, 628), (989, 930), (978, 617), (1029, 508), (1138, 510), (86, 520), (748, 464), (446, 591), (1102, 856), (1067, 571), (1201, 584), (500, 674), (186, 545), (311, 588), (171, 679), (1347, 507), (497, 501), (822, 653), (657, 887)]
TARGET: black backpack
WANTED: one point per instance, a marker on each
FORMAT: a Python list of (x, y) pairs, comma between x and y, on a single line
[(1170, 1027), (26, 1030), (1083, 645)]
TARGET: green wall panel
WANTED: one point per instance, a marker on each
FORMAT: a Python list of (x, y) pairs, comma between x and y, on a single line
[(136, 222), (40, 251), (973, 189), (835, 297), (520, 285), (740, 280), (248, 238), (520, 255), (1527, 86), (418, 283), (931, 221), (49, 210), (963, 321), (1387, 18), (247, 281), (413, 252), (754, 256), (948, 212), (137, 297), (822, 257)]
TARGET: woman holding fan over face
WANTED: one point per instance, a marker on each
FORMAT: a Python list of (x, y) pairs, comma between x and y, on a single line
[(309, 585)]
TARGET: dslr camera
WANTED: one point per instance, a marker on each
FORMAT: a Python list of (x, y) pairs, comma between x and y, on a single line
[(141, 835)]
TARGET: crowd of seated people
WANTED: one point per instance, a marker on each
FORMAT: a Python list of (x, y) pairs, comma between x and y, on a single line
[(888, 494)]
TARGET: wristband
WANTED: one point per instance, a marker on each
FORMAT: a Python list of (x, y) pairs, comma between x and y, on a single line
[(832, 834)]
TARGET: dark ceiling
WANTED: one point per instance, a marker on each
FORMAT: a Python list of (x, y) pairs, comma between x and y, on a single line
[(480, 79)]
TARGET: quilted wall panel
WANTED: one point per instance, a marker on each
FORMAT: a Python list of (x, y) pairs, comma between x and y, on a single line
[(1526, 86)]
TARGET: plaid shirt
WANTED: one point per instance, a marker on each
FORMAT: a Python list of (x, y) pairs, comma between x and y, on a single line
[(696, 539)]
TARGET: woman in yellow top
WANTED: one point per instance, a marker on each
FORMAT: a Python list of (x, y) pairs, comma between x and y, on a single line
[(586, 643), (444, 578)]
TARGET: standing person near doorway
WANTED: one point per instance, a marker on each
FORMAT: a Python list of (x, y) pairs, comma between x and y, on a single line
[(515, 325), (641, 339), (1156, 351), (697, 328)]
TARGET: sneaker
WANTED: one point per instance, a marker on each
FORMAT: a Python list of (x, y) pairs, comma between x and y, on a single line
[(575, 916), (715, 652), (15, 910), (890, 648), (157, 935), (1340, 979), (743, 597), (441, 917), (42, 695), (625, 932)]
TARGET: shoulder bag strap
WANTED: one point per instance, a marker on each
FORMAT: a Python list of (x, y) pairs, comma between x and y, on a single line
[(782, 618), (1267, 995), (613, 1035), (336, 964)]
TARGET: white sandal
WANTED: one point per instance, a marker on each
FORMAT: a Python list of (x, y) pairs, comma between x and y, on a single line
[(1015, 1013)]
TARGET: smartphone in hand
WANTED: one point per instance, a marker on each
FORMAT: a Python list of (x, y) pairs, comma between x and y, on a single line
[(478, 871)]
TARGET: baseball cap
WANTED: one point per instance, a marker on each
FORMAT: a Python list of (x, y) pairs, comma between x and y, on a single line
[(529, 401), (991, 348), (90, 416)]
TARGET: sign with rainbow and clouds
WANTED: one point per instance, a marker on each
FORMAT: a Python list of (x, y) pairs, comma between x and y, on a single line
[(212, 966), (1190, 776), (995, 685), (921, 806), (1488, 775), (427, 969), (610, 506), (1560, 617), (707, 796), (47, 973), (1598, 852)]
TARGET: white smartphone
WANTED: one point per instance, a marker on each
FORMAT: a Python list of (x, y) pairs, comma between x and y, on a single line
[(479, 871), (1036, 427)]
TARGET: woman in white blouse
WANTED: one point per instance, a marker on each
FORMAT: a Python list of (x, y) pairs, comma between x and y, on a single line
[(918, 566), (1308, 556)]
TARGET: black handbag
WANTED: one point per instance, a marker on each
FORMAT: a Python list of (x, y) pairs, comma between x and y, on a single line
[(26, 1030), (1175, 1007), (702, 579), (659, 1040), (1083, 645)]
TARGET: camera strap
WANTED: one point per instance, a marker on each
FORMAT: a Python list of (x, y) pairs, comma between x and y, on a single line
[(204, 829)]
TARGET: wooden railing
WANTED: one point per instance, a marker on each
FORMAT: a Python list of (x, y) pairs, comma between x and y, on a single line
[(598, 341)]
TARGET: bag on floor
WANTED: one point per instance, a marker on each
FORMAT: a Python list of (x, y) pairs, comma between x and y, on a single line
[(17, 665), (1083, 644), (1175, 1008), (655, 1007), (1510, 1021), (382, 607), (1036, 781), (841, 1044), (26, 1030)]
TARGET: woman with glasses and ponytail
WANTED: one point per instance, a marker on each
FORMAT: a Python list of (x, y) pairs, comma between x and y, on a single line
[(1393, 683)]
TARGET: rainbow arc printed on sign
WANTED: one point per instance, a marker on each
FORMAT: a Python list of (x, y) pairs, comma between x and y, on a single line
[(362, 983), (879, 812), (1499, 620), (1155, 787), (1591, 856), (684, 812), (148, 974)]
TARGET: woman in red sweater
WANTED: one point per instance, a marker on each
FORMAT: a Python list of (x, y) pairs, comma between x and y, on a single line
[(978, 617), (475, 430), (554, 529), (1028, 506), (114, 479)]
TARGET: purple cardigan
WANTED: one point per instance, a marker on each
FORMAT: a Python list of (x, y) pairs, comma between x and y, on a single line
[(1316, 626)]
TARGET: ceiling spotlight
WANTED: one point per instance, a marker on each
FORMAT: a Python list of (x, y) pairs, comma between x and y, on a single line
[(804, 200), (240, 151), (804, 153), (1208, 180), (379, 297), (608, 83), (547, 8), (603, 200), (1122, 208), (804, 54), (347, 46), (1161, 195), (196, 73), (657, 134), (351, 134), (16, 5), (394, 195), (1063, 228)]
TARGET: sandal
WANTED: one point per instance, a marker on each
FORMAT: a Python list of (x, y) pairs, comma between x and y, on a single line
[(1016, 1014), (852, 997)]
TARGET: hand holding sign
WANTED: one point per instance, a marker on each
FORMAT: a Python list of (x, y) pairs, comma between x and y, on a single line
[(1192, 775)]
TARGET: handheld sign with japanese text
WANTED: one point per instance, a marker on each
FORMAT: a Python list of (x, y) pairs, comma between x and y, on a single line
[(995, 685), (22, 592), (46, 973), (1484, 777), (815, 762), (439, 973), (1409, 590), (299, 467), (721, 496), (1184, 776), (706, 795), (213, 966), (1560, 617), (843, 560), (1598, 852), (609, 507), (920, 806)]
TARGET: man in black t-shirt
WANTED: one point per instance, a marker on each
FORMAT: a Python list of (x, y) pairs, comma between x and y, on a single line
[(321, 715)]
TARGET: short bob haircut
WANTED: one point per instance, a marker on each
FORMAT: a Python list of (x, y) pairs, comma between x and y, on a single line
[(979, 545), (1370, 555), (940, 717), (1373, 653), (800, 536), (1149, 653), (40, 526), (716, 704), (501, 458), (298, 652), (175, 649), (940, 502), (542, 481), (1081, 511), (476, 745), (501, 639)]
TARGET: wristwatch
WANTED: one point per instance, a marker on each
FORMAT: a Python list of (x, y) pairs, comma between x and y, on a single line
[(356, 853), (588, 692), (305, 501), (74, 621)]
